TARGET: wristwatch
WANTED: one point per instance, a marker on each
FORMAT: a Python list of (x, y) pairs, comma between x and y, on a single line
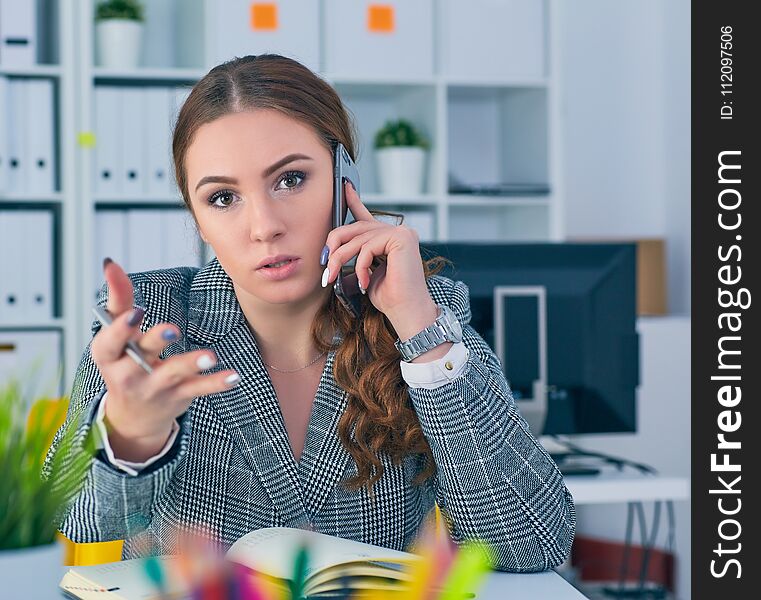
[(446, 328)]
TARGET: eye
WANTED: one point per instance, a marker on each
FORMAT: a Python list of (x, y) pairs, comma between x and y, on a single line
[(222, 199), (292, 177)]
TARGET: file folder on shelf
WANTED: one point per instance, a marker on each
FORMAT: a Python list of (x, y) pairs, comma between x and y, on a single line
[(12, 283), (4, 119), (26, 271), (158, 103), (40, 134), (110, 241), (108, 145), (132, 166), (37, 259), (34, 358), (18, 33), (18, 171)]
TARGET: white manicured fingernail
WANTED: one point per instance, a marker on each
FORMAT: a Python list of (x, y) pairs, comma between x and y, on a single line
[(361, 289), (325, 276), (205, 362), (232, 379)]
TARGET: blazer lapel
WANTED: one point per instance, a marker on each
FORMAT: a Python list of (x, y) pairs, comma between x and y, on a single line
[(250, 410), (324, 459)]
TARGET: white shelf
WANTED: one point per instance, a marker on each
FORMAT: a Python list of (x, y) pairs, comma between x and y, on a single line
[(541, 82), (382, 199), (128, 201), (46, 324), (147, 74), (33, 71), (27, 199), (467, 200)]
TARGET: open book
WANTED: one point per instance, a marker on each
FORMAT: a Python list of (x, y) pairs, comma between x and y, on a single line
[(334, 564)]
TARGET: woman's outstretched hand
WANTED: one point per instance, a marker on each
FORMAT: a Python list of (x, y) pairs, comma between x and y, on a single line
[(397, 288), (140, 407)]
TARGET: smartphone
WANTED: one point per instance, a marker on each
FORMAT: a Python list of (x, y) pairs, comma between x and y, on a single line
[(345, 286)]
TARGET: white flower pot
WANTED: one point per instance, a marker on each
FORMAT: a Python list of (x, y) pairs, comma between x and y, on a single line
[(118, 43), (401, 170), (31, 573)]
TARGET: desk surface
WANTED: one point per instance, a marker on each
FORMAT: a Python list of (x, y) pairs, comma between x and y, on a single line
[(537, 586), (619, 486), (498, 586)]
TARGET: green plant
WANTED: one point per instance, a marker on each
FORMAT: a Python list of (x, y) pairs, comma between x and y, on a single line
[(119, 9), (30, 503), (399, 133)]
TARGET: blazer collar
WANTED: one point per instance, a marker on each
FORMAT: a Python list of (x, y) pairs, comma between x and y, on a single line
[(213, 308)]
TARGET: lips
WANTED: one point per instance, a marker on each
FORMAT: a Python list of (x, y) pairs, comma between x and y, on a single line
[(270, 260)]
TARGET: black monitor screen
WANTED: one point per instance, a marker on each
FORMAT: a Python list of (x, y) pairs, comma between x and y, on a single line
[(591, 337)]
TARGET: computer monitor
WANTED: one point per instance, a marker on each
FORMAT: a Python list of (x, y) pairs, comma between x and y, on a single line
[(578, 300)]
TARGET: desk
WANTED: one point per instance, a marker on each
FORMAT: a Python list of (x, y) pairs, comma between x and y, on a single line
[(531, 586), (617, 486), (498, 586)]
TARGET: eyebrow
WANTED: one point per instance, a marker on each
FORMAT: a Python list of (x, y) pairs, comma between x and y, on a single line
[(267, 172)]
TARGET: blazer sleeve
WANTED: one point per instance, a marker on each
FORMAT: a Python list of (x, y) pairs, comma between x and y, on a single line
[(494, 482), (107, 504)]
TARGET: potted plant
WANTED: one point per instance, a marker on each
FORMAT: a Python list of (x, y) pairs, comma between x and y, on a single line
[(118, 33), (400, 151), (30, 504)]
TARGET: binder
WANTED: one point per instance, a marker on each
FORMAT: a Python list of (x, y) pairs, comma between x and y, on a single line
[(382, 39), (18, 33), (144, 239), (158, 126), (110, 241), (17, 138), (12, 285), (4, 118), (131, 120), (6, 249), (181, 245), (178, 95), (40, 135), (107, 101), (37, 256), (35, 359), (288, 27)]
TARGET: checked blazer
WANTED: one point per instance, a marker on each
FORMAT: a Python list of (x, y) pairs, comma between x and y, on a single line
[(231, 469)]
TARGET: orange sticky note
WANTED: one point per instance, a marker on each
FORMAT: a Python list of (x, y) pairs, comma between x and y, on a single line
[(263, 16), (380, 18)]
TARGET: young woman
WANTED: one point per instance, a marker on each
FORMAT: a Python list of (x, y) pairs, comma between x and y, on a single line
[(269, 403)]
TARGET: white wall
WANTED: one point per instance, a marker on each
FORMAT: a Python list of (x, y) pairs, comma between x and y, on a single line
[(625, 120)]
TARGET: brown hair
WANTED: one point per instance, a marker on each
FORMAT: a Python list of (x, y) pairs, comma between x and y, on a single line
[(367, 363)]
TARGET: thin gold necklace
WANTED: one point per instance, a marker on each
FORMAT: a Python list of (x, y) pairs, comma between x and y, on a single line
[(300, 368)]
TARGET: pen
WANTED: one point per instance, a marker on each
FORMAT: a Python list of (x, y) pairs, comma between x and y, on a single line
[(132, 349)]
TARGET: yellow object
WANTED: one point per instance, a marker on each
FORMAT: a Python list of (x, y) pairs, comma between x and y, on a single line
[(86, 139), (380, 18), (48, 414), (95, 553)]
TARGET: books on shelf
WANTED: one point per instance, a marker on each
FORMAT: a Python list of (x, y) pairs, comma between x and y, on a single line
[(334, 564)]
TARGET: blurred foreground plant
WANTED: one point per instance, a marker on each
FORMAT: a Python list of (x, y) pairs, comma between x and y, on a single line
[(30, 503)]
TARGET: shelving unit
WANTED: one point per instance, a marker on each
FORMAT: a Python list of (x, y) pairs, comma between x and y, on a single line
[(51, 334), (488, 104)]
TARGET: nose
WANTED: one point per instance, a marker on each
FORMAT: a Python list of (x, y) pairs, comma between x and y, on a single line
[(265, 221)]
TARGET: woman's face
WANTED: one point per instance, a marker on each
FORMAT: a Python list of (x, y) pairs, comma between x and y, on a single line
[(261, 185)]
